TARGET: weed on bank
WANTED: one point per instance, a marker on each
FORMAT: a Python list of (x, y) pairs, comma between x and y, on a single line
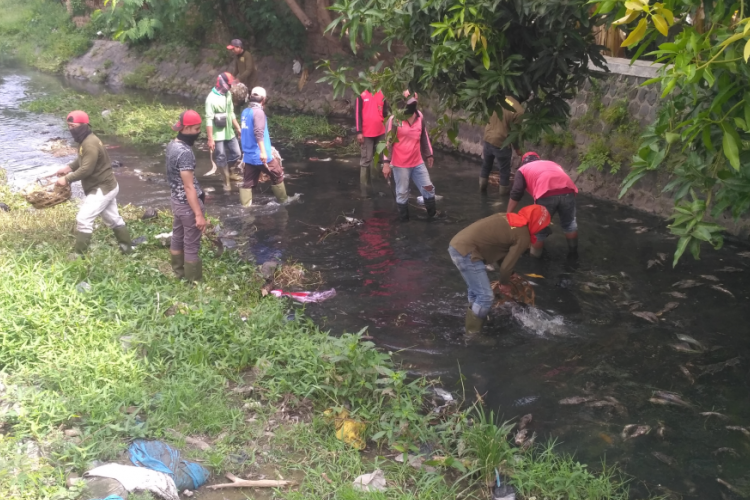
[(135, 353)]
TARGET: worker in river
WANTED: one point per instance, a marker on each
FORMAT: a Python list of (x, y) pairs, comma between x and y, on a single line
[(221, 125), (188, 212), (258, 153), (495, 134), (370, 112), (405, 155), (500, 238), (94, 169), (551, 187)]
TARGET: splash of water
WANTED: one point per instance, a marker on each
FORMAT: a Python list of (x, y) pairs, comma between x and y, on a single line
[(537, 321)]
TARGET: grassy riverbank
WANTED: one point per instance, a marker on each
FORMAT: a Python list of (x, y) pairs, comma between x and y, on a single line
[(140, 353), (144, 121)]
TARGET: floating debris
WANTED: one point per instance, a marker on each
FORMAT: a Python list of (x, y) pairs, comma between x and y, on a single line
[(668, 307), (686, 284), (338, 141), (443, 394), (521, 291), (648, 316), (713, 414), (731, 451), (341, 227), (684, 347), (609, 401), (653, 262), (525, 401), (58, 147), (744, 254), (677, 295), (520, 437), (710, 277), (629, 220), (633, 431), (717, 367), (669, 398), (731, 488), (690, 340), (729, 269), (576, 400), (662, 256), (664, 458), (687, 374), (525, 421), (314, 158), (641, 230), (209, 189), (723, 290)]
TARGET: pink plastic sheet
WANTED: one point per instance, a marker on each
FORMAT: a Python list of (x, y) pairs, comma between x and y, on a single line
[(306, 296)]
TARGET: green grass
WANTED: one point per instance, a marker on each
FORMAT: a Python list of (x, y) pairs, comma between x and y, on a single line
[(110, 363), (139, 78), (40, 33), (298, 128)]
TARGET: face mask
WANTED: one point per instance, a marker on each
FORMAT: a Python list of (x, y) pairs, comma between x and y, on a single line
[(410, 109), (80, 133), (188, 139)]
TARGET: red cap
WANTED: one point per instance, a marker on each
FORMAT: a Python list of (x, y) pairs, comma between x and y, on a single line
[(78, 117), (527, 158), (186, 119)]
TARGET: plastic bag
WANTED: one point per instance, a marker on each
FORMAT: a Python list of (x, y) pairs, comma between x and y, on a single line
[(161, 457)]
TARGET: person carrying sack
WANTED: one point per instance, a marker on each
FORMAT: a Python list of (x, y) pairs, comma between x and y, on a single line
[(94, 169)]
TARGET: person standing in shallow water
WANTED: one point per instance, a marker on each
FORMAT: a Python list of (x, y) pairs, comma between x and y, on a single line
[(94, 169), (500, 238), (370, 112), (256, 146), (495, 134), (188, 212), (221, 125), (405, 156)]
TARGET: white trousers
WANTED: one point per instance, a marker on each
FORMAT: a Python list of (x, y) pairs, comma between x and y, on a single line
[(96, 204)]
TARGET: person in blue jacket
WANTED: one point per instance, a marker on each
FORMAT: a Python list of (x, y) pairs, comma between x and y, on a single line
[(257, 150)]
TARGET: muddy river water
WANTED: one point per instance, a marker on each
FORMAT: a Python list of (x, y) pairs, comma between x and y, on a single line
[(582, 340)]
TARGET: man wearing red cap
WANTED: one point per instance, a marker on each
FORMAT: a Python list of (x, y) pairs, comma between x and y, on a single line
[(221, 125), (500, 238), (244, 65), (94, 169), (188, 211), (551, 187)]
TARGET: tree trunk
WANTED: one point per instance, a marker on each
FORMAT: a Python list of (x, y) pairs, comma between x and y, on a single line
[(299, 13)]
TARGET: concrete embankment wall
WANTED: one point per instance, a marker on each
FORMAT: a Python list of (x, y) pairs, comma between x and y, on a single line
[(618, 91)]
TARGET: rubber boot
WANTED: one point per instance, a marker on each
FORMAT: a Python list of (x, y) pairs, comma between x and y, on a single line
[(483, 183), (83, 240), (225, 175), (364, 176), (279, 191), (246, 197), (474, 323), (429, 204), (572, 240), (178, 265), (536, 250), (123, 238), (403, 211), (504, 190), (194, 271)]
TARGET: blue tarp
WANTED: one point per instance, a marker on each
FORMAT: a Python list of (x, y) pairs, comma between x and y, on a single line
[(161, 457)]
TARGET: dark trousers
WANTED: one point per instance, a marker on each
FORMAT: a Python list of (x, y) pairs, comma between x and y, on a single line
[(252, 173), (503, 155)]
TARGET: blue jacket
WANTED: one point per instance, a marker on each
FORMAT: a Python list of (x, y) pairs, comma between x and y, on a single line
[(254, 130)]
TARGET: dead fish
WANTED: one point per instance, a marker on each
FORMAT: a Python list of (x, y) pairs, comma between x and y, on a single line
[(687, 373), (664, 458), (653, 263), (686, 284), (710, 277), (668, 307), (630, 220), (669, 398), (729, 269), (648, 316), (520, 437), (684, 347), (690, 340), (633, 431), (713, 414), (717, 367), (677, 295), (525, 420), (641, 230), (744, 254), (731, 451), (576, 400), (723, 290), (738, 428), (661, 429)]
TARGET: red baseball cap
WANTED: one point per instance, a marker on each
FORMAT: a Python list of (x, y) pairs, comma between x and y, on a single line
[(187, 118), (77, 117), (529, 157)]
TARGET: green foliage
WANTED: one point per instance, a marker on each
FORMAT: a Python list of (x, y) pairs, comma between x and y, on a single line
[(298, 128), (487, 441), (596, 155), (468, 54), (702, 134), (40, 33), (561, 138), (139, 78)]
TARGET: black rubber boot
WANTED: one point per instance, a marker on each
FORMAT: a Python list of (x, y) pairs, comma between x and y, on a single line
[(403, 211), (83, 240), (194, 271), (483, 182), (429, 204), (572, 246), (178, 265), (123, 238)]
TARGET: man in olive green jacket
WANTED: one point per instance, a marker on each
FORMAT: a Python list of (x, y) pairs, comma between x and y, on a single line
[(495, 134), (94, 169)]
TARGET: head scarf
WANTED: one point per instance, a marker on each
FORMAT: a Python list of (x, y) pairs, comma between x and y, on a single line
[(224, 82), (536, 217)]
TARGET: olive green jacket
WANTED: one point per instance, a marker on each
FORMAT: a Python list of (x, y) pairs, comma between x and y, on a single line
[(92, 167)]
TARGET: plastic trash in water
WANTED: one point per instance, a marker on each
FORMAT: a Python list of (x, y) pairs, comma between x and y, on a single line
[(161, 457), (306, 296)]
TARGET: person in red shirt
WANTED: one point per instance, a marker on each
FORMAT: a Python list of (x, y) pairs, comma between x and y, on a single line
[(405, 156), (551, 187), (370, 112)]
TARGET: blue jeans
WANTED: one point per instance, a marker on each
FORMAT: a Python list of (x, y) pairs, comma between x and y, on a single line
[(503, 155), (227, 152), (419, 176), (565, 205), (481, 296)]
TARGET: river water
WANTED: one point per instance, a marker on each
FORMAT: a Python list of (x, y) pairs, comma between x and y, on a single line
[(581, 340)]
